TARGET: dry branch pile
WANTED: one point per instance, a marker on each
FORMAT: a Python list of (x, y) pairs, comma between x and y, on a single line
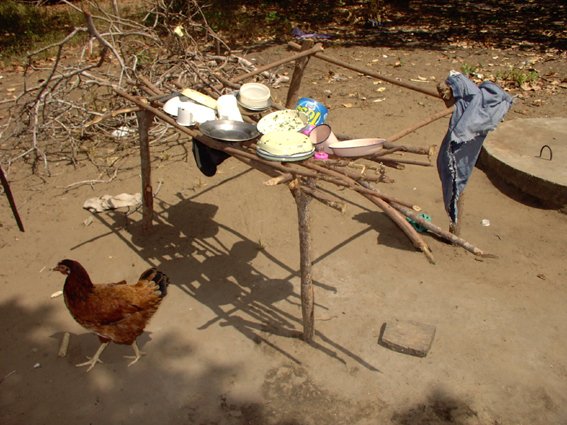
[(68, 110)]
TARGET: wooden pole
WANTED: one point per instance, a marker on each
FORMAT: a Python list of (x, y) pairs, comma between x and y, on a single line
[(11, 201), (420, 124), (144, 123), (390, 160), (307, 293), (295, 83), (404, 225), (365, 71), (418, 150), (317, 48), (450, 237)]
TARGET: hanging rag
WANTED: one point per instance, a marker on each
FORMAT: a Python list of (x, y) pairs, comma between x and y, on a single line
[(207, 158), (478, 110)]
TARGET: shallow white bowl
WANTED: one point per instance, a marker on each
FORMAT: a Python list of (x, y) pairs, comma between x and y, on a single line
[(357, 147), (254, 95)]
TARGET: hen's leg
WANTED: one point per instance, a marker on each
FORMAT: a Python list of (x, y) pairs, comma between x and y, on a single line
[(137, 354), (95, 359)]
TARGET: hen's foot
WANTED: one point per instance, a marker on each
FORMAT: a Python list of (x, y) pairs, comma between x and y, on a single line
[(137, 354), (91, 363), (94, 359)]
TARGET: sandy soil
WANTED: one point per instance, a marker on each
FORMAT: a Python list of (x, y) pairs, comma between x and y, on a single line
[(219, 351)]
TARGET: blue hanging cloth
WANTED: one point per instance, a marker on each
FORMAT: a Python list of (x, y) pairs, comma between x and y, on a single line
[(478, 110)]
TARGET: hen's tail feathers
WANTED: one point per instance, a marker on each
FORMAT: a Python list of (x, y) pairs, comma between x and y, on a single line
[(158, 277)]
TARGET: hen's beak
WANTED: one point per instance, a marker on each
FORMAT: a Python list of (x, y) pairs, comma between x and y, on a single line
[(61, 268)]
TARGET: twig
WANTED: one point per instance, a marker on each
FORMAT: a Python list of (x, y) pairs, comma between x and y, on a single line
[(64, 346), (11, 201), (94, 33), (7, 376), (111, 114), (92, 182)]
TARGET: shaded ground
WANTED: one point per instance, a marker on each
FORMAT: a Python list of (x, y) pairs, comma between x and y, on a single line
[(501, 24), (420, 24)]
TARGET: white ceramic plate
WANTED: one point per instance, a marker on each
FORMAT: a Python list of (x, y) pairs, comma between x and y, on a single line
[(284, 158), (284, 120), (285, 143)]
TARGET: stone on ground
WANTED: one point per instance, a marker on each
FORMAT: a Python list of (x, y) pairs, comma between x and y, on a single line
[(408, 337)]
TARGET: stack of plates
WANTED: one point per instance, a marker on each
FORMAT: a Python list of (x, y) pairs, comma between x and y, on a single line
[(284, 158), (285, 146)]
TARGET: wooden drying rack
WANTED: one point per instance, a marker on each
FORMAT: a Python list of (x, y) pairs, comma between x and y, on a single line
[(301, 177)]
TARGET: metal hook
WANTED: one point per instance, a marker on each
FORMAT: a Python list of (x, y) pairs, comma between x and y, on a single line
[(550, 152)]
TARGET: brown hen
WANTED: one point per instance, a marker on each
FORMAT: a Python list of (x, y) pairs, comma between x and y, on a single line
[(116, 312)]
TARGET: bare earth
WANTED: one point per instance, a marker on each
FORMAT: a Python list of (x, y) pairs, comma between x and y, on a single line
[(219, 351)]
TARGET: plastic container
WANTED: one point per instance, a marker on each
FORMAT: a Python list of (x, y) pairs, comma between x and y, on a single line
[(185, 117), (316, 112), (254, 95), (227, 108)]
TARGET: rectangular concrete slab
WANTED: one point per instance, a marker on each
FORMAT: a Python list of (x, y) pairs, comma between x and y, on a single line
[(408, 337)]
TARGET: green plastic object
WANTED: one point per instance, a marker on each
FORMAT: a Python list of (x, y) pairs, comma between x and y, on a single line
[(418, 226)]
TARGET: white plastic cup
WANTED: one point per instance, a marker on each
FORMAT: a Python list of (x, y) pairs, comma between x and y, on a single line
[(184, 117), (322, 137), (227, 108)]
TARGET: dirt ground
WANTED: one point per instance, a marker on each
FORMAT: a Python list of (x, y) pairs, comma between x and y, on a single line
[(219, 349)]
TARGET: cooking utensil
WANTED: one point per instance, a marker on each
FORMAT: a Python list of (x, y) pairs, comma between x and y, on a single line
[(229, 131)]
